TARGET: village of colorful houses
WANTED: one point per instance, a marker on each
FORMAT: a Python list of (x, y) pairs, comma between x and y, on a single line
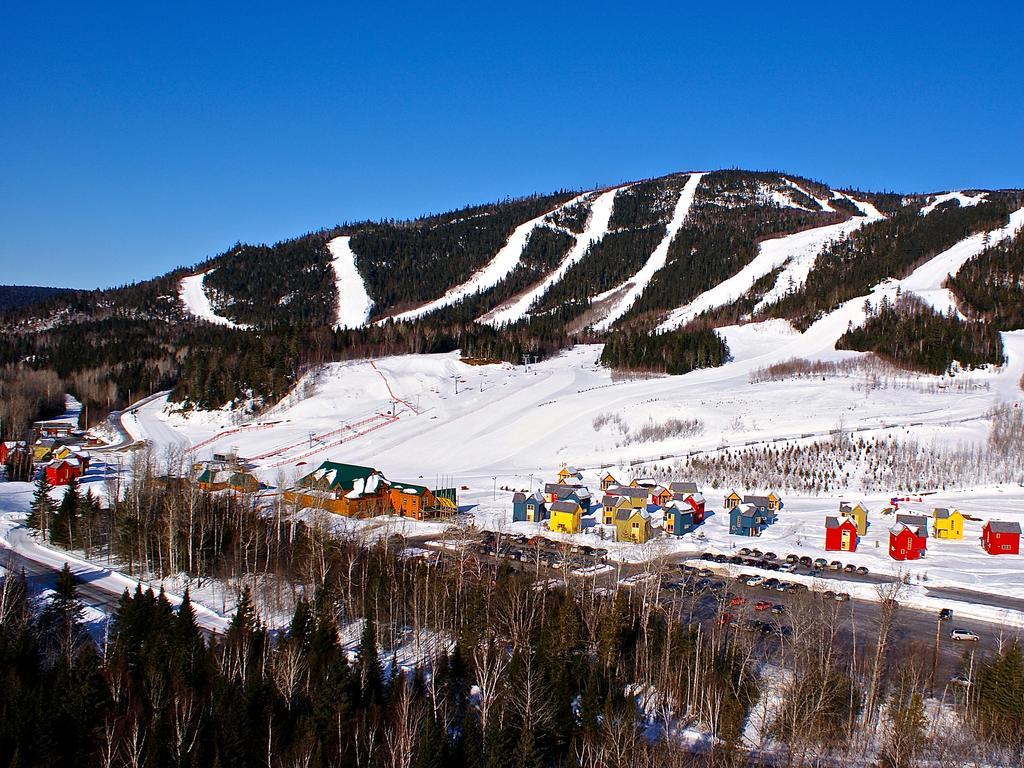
[(633, 511), (641, 509)]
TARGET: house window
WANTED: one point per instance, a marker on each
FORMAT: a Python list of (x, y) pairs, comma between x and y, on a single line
[(636, 526)]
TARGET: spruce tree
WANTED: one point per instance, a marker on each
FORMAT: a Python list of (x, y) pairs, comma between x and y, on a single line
[(65, 522), (42, 507)]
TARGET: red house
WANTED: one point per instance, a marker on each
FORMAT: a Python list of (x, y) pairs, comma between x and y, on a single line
[(61, 472), (907, 541), (696, 502), (840, 535), (9, 447), (660, 496), (999, 538)]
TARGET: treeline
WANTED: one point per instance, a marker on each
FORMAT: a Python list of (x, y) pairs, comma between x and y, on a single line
[(25, 396), (18, 296), (852, 266), (675, 352), (991, 285), (910, 334)]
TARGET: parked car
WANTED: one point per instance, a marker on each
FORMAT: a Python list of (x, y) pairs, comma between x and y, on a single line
[(792, 559), (850, 568), (788, 568), (778, 609), (771, 583), (743, 551), (756, 552), (835, 565), (820, 562), (738, 601), (842, 597), (862, 570), (945, 614), (736, 560), (721, 559), (770, 556), (726, 618), (964, 634), (762, 605), (806, 561)]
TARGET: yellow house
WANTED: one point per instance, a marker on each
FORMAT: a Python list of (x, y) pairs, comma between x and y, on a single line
[(633, 525), (637, 497), (569, 473), (856, 512), (733, 500), (611, 505), (607, 481), (774, 502), (564, 517), (948, 523)]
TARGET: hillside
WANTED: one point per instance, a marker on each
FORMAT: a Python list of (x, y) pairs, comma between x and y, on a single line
[(14, 297), (651, 268)]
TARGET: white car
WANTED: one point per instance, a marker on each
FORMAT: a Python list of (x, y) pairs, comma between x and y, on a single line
[(964, 634)]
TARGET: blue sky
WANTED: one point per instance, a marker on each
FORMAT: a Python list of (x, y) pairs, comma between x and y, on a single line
[(134, 140)]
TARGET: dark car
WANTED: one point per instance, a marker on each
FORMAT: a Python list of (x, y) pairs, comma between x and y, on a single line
[(945, 614), (805, 561), (792, 559), (770, 556)]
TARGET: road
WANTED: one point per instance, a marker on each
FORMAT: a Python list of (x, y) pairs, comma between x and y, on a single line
[(116, 421), (99, 587)]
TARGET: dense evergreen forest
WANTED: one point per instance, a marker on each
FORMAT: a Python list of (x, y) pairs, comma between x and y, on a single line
[(19, 296), (675, 352), (991, 285), (910, 334)]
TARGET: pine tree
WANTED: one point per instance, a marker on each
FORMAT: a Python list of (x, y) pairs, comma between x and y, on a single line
[(42, 507), (371, 672), (64, 524)]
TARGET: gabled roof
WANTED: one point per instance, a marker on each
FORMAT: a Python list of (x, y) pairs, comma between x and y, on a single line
[(761, 501), (1001, 526), (629, 513), (633, 493), (944, 513), (835, 522), (676, 487), (410, 488), (658, 490), (917, 523), (338, 476), (519, 498), (565, 506), (607, 473)]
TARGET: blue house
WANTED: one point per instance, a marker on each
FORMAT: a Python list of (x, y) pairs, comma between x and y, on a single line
[(678, 518), (529, 509), (749, 520), (558, 492)]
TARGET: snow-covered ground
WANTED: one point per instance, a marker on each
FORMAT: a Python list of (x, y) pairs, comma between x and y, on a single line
[(637, 284), (595, 230), (197, 303), (965, 201), (926, 281), (354, 303), (496, 270), (795, 252)]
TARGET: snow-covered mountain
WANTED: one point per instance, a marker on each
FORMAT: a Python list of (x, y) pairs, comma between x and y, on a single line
[(651, 267)]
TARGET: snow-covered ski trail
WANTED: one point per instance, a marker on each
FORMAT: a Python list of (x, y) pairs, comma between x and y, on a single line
[(197, 303), (966, 201), (823, 204), (637, 284), (926, 281), (496, 270), (597, 228), (805, 252), (797, 252), (354, 303)]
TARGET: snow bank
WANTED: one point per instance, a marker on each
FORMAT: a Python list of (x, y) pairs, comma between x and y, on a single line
[(638, 282), (354, 303)]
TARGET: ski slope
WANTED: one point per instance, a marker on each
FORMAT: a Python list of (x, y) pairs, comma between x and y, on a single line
[(926, 281), (965, 200), (354, 303), (637, 284), (596, 229), (197, 303), (823, 204), (496, 270), (796, 253)]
